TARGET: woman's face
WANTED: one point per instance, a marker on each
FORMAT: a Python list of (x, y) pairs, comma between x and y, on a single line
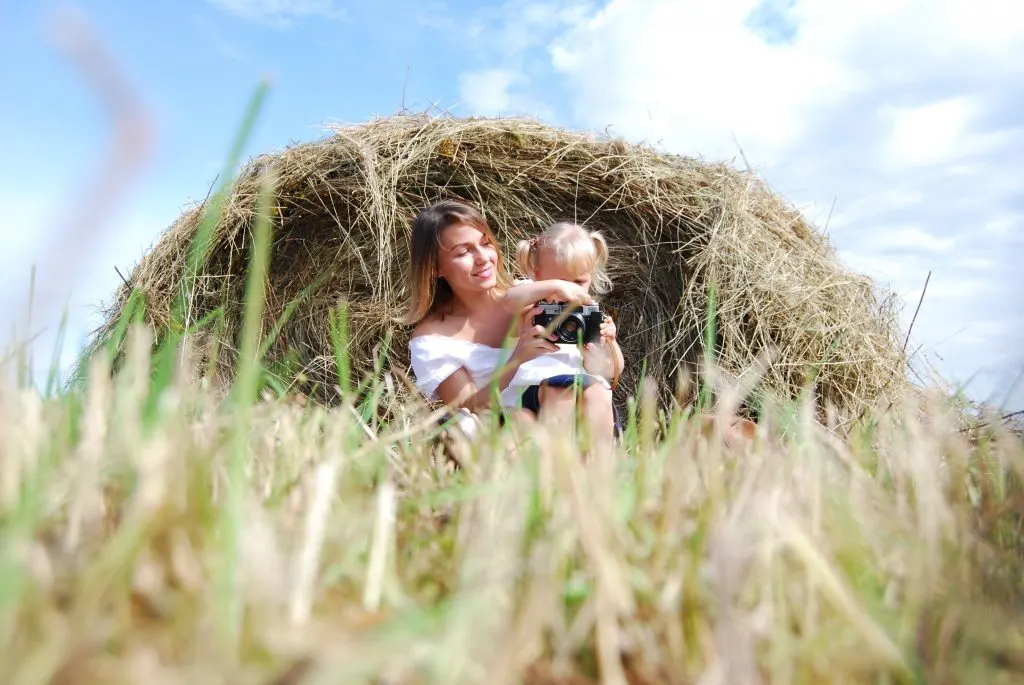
[(467, 259)]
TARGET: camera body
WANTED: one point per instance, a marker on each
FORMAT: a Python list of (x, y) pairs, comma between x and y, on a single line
[(580, 324)]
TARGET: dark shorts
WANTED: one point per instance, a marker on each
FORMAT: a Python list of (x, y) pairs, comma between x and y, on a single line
[(531, 396)]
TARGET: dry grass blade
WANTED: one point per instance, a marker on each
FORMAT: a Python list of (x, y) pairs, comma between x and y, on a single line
[(305, 577)]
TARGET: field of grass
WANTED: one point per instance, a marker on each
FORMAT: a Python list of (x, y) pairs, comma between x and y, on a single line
[(155, 529)]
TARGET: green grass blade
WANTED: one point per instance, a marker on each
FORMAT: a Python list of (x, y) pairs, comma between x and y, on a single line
[(243, 397), (53, 376), (706, 399), (338, 322), (203, 238)]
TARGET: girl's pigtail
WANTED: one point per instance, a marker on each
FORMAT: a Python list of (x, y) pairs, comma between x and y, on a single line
[(524, 257), (602, 283)]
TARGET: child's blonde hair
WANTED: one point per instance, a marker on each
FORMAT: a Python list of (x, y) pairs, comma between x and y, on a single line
[(572, 245)]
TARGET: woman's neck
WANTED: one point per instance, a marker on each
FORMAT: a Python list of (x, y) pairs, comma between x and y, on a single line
[(476, 303)]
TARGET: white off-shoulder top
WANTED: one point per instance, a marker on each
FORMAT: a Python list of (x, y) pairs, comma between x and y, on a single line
[(568, 360), (436, 357)]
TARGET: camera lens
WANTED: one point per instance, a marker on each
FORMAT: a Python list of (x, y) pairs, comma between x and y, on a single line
[(570, 329)]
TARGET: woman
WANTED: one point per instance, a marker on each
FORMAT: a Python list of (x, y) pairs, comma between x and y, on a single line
[(457, 285)]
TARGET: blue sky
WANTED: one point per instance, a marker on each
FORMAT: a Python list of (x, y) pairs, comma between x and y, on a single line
[(901, 123)]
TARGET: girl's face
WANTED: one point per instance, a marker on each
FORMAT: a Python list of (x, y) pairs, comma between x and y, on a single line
[(467, 259), (549, 268)]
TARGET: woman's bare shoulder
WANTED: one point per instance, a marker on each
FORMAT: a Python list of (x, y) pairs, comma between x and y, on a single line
[(434, 326)]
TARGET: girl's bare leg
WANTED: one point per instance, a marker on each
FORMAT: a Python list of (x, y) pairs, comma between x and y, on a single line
[(558, 410), (600, 420), (557, 407)]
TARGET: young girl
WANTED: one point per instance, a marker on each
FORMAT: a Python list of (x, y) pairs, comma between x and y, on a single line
[(564, 264)]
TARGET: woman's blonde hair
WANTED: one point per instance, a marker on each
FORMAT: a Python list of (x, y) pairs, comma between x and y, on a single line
[(572, 245), (429, 294)]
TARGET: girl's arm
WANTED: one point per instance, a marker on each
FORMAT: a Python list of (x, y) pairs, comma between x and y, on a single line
[(620, 363), (604, 359), (619, 360), (611, 362)]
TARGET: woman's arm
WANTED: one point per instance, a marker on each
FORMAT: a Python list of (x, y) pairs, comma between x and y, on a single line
[(459, 390), (531, 292)]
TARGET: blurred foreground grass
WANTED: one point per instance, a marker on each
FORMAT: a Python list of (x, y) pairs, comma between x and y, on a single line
[(154, 530)]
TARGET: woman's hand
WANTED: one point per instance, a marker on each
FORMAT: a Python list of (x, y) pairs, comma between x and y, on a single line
[(526, 325), (569, 292), (532, 344), (525, 317)]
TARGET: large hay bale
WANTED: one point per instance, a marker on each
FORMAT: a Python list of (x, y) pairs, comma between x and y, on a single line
[(344, 207)]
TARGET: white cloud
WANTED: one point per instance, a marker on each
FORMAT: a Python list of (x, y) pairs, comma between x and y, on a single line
[(528, 24), (686, 72), (977, 263), (939, 132), (279, 12), (694, 73), (500, 92), (930, 133), (488, 92), (901, 121), (1004, 225), (909, 237)]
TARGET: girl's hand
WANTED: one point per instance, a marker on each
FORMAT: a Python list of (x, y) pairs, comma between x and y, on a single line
[(608, 329)]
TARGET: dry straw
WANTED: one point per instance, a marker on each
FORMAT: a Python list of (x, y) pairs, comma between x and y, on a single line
[(675, 225)]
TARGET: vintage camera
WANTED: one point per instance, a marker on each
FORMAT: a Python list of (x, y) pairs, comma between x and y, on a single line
[(581, 324)]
